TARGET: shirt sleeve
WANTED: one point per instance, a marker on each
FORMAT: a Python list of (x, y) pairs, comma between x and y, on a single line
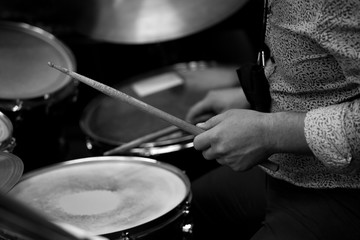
[(333, 132)]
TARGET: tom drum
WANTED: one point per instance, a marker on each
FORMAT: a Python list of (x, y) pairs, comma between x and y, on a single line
[(108, 123), (33, 95)]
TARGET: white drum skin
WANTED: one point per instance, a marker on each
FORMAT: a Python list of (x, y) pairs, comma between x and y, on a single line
[(108, 196)]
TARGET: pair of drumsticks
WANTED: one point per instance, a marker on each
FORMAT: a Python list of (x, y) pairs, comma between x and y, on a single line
[(181, 124)]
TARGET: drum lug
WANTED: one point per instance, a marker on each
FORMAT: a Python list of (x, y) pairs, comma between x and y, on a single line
[(124, 236), (89, 145), (187, 229), (18, 106), (187, 226)]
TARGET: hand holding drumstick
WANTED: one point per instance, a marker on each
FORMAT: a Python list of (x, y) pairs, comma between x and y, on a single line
[(187, 127)]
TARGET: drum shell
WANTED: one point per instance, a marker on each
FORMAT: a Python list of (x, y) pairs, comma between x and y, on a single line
[(38, 114), (175, 224), (39, 131)]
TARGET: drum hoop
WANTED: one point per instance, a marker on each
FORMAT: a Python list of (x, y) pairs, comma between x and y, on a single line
[(101, 159), (54, 42)]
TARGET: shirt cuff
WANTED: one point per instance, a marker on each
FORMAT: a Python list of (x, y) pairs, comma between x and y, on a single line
[(326, 136)]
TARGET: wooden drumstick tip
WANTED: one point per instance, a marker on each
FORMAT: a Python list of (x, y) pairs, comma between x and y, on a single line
[(61, 69)]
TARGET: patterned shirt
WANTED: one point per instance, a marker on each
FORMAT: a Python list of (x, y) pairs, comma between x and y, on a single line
[(315, 47)]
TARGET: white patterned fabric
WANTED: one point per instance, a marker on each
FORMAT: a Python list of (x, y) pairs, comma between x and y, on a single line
[(315, 47)]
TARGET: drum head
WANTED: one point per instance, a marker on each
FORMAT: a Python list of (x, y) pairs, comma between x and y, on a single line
[(173, 89), (104, 195), (25, 51)]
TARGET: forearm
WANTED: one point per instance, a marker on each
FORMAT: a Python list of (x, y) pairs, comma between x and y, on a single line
[(285, 133), (331, 134)]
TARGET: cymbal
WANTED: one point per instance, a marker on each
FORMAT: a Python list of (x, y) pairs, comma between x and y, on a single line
[(144, 21), (11, 170)]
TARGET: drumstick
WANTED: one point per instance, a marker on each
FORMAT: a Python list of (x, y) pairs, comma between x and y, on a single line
[(137, 142), (187, 127), (112, 92)]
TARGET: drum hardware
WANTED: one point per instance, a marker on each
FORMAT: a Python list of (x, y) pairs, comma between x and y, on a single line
[(187, 226), (18, 106)]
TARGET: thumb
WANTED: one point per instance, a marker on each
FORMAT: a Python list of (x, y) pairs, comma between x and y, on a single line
[(212, 122)]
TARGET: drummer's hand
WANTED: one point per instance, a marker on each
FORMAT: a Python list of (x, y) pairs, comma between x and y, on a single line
[(215, 102), (236, 138)]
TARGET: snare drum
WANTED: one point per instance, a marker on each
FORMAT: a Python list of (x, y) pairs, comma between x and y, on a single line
[(115, 197), (33, 95), (108, 123)]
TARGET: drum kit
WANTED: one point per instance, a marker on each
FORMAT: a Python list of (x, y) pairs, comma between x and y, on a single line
[(143, 193)]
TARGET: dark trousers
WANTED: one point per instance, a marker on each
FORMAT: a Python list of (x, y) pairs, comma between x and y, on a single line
[(251, 205)]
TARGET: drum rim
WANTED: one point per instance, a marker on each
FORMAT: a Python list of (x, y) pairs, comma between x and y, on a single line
[(101, 159), (52, 40)]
